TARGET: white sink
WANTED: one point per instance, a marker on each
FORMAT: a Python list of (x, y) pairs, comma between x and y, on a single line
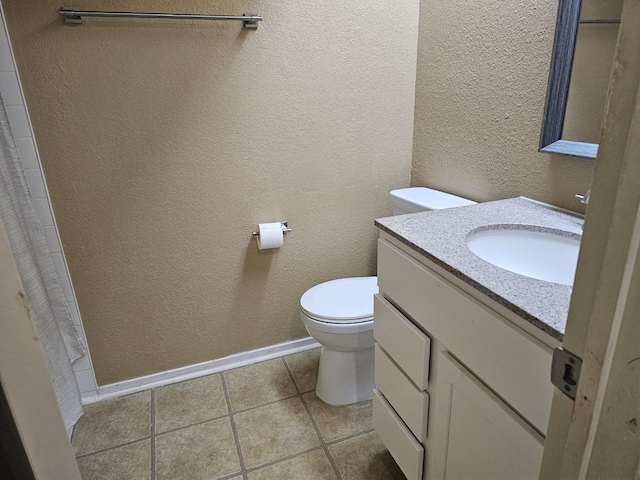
[(543, 255)]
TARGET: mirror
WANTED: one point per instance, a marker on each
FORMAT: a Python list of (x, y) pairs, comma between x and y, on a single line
[(583, 50)]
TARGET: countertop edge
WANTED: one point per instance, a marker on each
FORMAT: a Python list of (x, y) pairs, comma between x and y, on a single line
[(545, 327)]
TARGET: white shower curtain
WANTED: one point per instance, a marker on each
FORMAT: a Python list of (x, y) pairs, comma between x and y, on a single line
[(49, 311)]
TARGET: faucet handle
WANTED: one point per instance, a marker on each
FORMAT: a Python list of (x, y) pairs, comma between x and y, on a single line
[(584, 198)]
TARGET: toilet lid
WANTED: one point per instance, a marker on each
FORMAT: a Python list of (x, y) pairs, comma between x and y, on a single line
[(345, 300)]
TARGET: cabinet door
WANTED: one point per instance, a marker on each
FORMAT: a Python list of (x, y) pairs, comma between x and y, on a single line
[(475, 434)]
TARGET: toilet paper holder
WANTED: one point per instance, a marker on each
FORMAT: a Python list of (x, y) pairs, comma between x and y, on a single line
[(285, 229)]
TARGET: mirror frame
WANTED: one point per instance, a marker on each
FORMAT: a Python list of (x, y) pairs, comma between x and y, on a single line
[(564, 48)]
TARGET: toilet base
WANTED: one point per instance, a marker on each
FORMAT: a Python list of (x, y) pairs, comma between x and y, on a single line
[(345, 377)]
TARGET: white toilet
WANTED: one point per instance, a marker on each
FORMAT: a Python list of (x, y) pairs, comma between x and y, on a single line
[(338, 314)]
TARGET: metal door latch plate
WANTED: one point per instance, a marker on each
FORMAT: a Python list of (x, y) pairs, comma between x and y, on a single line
[(565, 372)]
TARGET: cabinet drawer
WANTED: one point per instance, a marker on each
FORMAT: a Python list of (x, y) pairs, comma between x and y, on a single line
[(508, 360), (411, 404), (402, 340), (403, 447)]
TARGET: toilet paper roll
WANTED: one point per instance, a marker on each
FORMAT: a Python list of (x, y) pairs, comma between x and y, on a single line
[(270, 235)]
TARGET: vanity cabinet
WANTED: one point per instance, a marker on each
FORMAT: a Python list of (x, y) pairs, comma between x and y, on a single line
[(461, 391), (476, 435)]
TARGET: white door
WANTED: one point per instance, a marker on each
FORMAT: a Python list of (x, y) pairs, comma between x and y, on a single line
[(26, 384), (597, 436)]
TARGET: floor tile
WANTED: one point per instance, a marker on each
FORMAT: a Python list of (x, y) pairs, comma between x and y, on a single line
[(202, 452), (304, 367), (113, 422), (275, 431), (314, 465), (365, 458), (189, 402), (258, 384), (131, 462), (335, 422)]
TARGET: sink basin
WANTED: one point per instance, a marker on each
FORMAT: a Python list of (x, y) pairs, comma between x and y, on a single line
[(550, 255)]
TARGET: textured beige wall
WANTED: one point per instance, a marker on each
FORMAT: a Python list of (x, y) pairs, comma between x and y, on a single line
[(164, 143), (480, 92)]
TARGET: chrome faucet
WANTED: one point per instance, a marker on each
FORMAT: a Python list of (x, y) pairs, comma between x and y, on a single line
[(584, 198)]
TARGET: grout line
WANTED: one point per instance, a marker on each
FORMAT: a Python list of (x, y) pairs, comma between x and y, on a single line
[(313, 449), (284, 459), (334, 442), (295, 383), (323, 444), (265, 404), (126, 444), (153, 434), (233, 475), (159, 434), (350, 437), (243, 468)]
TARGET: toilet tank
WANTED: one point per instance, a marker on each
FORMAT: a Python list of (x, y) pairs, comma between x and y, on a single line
[(420, 199)]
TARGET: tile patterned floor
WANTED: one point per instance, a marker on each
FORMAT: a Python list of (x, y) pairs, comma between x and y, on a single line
[(259, 422)]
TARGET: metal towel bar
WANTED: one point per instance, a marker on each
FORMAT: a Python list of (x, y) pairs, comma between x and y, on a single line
[(71, 15)]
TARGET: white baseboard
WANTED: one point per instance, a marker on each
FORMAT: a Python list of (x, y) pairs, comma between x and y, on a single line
[(199, 370)]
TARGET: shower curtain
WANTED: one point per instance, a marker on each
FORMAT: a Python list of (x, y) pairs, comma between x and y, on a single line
[(59, 339)]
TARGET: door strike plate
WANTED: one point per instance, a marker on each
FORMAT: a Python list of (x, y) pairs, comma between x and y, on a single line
[(565, 372)]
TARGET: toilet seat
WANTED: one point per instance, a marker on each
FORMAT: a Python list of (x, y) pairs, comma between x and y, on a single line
[(335, 328), (345, 300)]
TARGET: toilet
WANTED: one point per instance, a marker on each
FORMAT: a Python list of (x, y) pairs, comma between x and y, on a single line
[(338, 314)]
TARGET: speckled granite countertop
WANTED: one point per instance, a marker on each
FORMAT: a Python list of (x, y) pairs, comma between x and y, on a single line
[(441, 237)]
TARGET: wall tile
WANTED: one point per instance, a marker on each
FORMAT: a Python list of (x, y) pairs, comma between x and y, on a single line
[(82, 335), (74, 313), (65, 283), (54, 245), (27, 151), (83, 363), (11, 94), (86, 381), (18, 121), (36, 183), (90, 396), (58, 262), (6, 59), (44, 211)]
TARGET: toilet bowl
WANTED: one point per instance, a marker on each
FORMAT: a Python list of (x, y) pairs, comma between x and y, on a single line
[(339, 314)]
